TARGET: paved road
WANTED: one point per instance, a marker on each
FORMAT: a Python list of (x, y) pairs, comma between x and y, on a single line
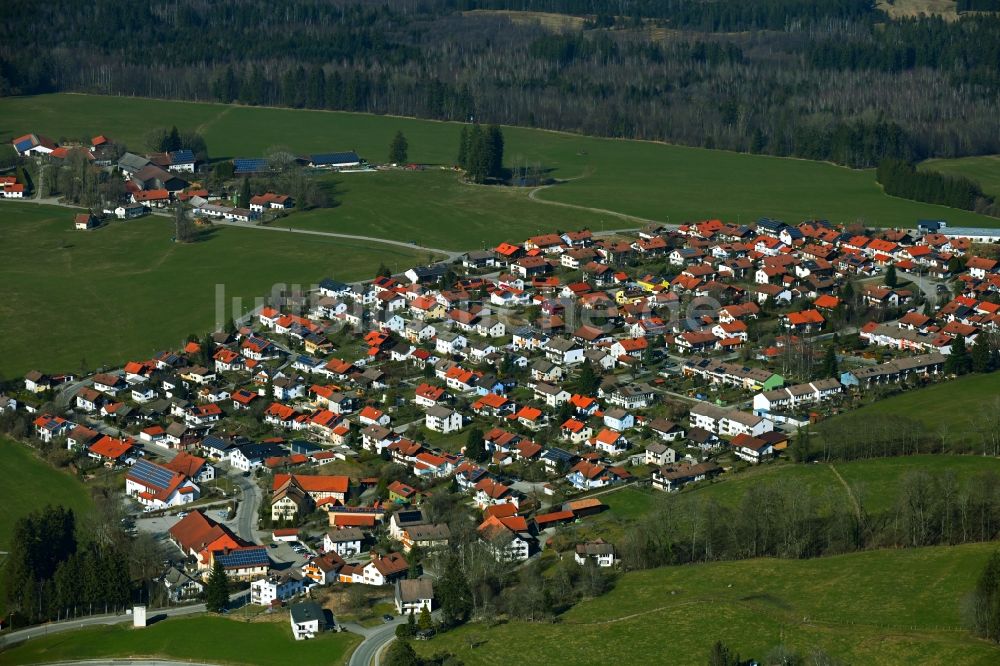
[(246, 513), (236, 600), (376, 638)]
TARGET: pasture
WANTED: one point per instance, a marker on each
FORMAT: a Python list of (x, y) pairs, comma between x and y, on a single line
[(984, 169), (646, 179), (878, 607), (82, 299)]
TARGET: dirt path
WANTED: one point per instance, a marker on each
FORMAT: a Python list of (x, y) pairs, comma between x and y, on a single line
[(847, 489), (601, 211)]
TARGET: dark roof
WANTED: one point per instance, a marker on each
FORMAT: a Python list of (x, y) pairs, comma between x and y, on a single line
[(348, 157), (307, 611), (181, 157), (332, 285), (250, 165)]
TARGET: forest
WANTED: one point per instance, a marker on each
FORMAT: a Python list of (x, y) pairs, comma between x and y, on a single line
[(835, 80), (901, 179)]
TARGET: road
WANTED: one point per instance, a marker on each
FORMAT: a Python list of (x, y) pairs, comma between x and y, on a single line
[(248, 509), (21, 635), (376, 638)]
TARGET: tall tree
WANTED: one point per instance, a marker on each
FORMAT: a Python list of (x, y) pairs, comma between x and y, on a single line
[(958, 361), (463, 148), (494, 151), (398, 149), (475, 446), (454, 593), (217, 589), (986, 601), (891, 279), (982, 354), (828, 368), (184, 231), (245, 193)]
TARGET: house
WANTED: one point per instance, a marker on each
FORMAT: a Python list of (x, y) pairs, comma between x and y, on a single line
[(659, 455), (318, 487), (585, 475), (671, 478), (281, 587), (401, 520), (752, 449), (180, 586), (668, 431), (345, 542), (158, 487), (384, 570), (728, 422), (244, 563), (618, 419), (324, 569), (507, 537), (599, 552), (113, 452), (308, 620), (289, 500), (425, 536), (490, 492), (413, 596), (442, 419)]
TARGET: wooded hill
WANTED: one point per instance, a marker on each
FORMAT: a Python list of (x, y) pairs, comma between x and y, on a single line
[(833, 80)]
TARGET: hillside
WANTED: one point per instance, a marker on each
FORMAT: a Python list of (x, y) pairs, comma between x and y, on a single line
[(650, 180), (880, 607), (984, 169)]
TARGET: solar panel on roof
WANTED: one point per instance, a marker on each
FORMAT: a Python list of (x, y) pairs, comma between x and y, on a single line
[(244, 557), (349, 157), (23, 145), (179, 156), (151, 475), (250, 165)]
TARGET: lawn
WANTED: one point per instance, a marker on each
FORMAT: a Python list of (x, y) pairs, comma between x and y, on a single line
[(879, 607), (211, 639), (632, 502), (646, 179), (984, 169), (39, 484), (125, 291), (958, 408)]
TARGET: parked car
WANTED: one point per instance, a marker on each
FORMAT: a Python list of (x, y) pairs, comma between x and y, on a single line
[(387, 618)]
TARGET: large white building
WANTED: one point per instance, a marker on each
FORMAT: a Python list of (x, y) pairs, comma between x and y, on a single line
[(728, 422), (157, 487), (278, 588)]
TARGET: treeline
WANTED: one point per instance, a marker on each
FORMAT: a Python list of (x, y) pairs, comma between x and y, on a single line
[(779, 520), (829, 80), (902, 179), (49, 574)]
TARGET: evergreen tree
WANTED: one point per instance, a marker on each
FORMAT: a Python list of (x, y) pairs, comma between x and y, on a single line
[(398, 149), (244, 193), (829, 366), (986, 601), (184, 230), (425, 619), (454, 593), (958, 361), (217, 589), (982, 356), (401, 653), (588, 381), (494, 151), (463, 148), (891, 280), (802, 445), (475, 446)]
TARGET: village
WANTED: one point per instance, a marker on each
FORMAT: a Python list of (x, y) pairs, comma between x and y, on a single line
[(344, 435)]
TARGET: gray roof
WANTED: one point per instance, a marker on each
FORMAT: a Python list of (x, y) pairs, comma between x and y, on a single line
[(307, 611), (408, 590)]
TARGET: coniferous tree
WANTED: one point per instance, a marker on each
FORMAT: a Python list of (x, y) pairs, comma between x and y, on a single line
[(463, 148), (454, 593), (475, 446), (244, 193), (986, 601), (398, 150), (217, 589), (958, 361), (589, 381), (982, 356), (494, 151), (829, 366), (891, 279)]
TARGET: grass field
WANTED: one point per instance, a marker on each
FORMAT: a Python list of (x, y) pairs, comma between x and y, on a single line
[(880, 607), (650, 180), (985, 170), (39, 484), (211, 639), (126, 291), (956, 408)]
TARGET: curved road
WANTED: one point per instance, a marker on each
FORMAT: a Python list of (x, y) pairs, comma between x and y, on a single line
[(376, 639)]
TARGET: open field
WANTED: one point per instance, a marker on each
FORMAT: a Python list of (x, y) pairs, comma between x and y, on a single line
[(955, 408), (985, 170), (125, 291), (211, 639), (880, 607), (876, 482), (645, 179), (38, 484)]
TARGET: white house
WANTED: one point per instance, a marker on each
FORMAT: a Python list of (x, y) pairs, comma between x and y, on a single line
[(599, 552), (413, 596), (277, 588), (157, 487), (441, 419), (728, 422), (346, 541), (307, 620)]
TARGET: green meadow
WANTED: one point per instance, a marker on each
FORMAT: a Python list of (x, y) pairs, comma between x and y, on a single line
[(644, 179), (81, 299), (39, 484), (203, 639), (984, 169), (878, 607)]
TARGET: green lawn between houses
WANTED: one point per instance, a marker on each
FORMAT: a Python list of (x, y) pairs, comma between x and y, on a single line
[(651, 180), (205, 638), (879, 607), (125, 291)]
